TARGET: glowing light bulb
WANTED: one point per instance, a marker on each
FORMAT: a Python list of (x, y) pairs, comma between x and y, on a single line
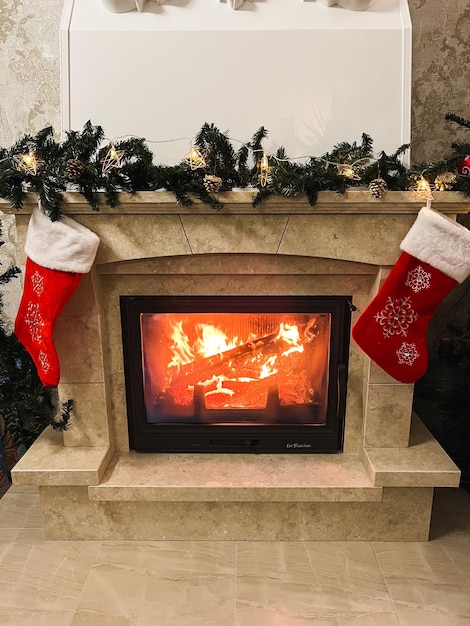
[(264, 175), (264, 163), (28, 163), (112, 160), (348, 172), (195, 158)]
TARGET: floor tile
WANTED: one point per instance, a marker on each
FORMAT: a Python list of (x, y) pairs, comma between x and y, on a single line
[(39, 576), (24, 617), (19, 508), (323, 583), (428, 582), (165, 583)]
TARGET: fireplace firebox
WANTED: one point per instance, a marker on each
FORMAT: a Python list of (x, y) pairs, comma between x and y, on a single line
[(236, 373)]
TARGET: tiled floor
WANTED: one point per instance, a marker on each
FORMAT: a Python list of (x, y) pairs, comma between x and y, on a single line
[(215, 583)]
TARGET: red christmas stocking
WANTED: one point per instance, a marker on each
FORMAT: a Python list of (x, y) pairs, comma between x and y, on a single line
[(392, 329), (58, 254)]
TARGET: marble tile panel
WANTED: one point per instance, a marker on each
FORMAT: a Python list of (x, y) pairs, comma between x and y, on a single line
[(403, 515), (44, 576), (248, 263), (48, 462), (235, 478), (83, 300), (116, 401), (456, 545), (13, 616), (78, 343), (20, 509), (332, 584), (164, 583), (424, 583), (8, 535), (428, 616), (354, 402), (362, 238), (422, 464), (388, 416), (89, 419), (375, 374), (140, 237), (234, 233)]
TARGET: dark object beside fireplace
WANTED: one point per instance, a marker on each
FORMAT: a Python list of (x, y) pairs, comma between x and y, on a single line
[(261, 374)]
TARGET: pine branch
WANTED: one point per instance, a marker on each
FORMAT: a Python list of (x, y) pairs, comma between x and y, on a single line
[(65, 415), (461, 121), (50, 196), (262, 195), (256, 143), (9, 274)]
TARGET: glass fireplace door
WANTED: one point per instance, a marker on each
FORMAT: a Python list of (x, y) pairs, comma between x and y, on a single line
[(225, 368), (235, 373)]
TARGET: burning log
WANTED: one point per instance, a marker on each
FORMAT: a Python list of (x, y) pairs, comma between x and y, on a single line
[(253, 394), (224, 363), (203, 369)]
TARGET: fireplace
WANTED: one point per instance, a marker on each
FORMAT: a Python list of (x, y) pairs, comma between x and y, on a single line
[(93, 486), (236, 373)]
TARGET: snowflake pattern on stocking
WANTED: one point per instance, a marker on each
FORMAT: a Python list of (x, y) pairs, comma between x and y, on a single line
[(396, 317), (407, 353), (37, 282), (34, 321), (418, 279), (43, 359)]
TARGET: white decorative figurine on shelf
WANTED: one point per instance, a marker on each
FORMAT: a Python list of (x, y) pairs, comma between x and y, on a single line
[(351, 5), (234, 4), (123, 6)]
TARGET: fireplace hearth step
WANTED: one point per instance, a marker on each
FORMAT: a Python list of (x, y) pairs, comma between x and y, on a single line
[(236, 478), (423, 464), (48, 462)]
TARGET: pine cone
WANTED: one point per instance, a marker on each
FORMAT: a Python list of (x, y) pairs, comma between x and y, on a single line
[(377, 188), (212, 183), (74, 169), (445, 181)]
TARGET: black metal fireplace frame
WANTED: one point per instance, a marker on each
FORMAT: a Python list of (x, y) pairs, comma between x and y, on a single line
[(275, 438)]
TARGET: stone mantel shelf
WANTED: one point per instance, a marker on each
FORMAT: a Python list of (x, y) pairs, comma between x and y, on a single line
[(239, 202)]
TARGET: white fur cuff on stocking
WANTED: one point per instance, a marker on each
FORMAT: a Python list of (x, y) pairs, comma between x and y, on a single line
[(64, 245), (436, 239)]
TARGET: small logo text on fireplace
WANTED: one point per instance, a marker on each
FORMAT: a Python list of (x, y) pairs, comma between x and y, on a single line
[(298, 445)]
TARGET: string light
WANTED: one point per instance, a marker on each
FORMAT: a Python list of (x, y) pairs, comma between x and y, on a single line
[(28, 163), (347, 171), (423, 190), (264, 175), (112, 160), (195, 159)]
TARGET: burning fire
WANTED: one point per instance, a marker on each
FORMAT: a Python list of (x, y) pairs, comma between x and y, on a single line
[(237, 372)]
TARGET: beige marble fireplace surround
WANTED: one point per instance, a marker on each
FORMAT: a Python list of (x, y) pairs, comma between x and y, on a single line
[(92, 487)]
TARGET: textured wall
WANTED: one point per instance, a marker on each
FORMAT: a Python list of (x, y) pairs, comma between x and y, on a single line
[(441, 74), (29, 69)]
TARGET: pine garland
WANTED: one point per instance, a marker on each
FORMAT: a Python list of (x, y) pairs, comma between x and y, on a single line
[(76, 164)]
